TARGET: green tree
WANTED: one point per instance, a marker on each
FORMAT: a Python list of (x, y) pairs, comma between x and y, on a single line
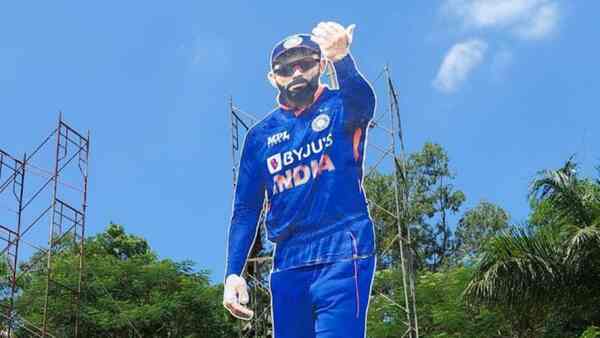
[(591, 332), (432, 199), (380, 192), (441, 308), (435, 198), (477, 226), (128, 292), (546, 276)]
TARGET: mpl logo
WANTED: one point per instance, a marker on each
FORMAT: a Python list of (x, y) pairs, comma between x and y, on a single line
[(277, 138), (274, 163)]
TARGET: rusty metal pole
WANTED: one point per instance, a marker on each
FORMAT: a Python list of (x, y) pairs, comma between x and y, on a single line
[(13, 277), (67, 138), (401, 209), (82, 239), (51, 229)]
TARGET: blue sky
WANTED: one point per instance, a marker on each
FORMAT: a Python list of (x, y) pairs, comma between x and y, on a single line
[(507, 87)]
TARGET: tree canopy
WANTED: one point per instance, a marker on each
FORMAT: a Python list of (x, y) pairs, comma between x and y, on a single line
[(477, 273), (128, 292)]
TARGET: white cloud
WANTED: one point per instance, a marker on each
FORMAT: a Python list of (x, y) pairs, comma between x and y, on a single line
[(458, 63), (523, 19), (528, 19), (542, 24)]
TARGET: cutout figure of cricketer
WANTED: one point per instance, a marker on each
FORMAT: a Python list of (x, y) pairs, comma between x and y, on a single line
[(306, 157)]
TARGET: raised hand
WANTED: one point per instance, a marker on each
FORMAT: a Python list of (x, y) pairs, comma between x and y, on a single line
[(333, 39)]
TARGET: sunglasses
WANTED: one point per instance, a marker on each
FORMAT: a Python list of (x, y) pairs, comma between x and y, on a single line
[(289, 68)]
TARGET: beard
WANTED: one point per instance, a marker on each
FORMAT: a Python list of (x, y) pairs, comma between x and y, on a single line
[(302, 96)]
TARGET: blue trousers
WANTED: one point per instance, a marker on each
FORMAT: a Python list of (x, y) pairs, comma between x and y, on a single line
[(322, 301)]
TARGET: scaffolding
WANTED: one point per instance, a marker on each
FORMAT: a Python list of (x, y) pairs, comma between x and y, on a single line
[(391, 147), (386, 142), (259, 262), (58, 195)]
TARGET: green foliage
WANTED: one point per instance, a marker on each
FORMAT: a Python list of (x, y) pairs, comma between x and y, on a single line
[(441, 309), (591, 332), (477, 226), (484, 279), (433, 193), (380, 191), (385, 314), (518, 267), (443, 312), (128, 292), (545, 278), (114, 241), (537, 280), (427, 198)]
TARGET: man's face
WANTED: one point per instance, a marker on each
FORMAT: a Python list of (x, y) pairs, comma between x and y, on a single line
[(296, 73)]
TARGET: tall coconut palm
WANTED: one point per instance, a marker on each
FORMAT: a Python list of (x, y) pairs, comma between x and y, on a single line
[(556, 264), (577, 205)]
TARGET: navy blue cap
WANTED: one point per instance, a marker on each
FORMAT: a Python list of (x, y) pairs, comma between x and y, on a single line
[(294, 41)]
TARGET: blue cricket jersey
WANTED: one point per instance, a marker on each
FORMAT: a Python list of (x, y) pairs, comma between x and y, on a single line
[(310, 167)]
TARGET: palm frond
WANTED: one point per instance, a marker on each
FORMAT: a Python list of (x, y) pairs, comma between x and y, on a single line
[(566, 192), (583, 243), (517, 267)]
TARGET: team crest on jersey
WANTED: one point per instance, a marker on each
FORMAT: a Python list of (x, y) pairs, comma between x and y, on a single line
[(292, 42), (320, 122), (274, 163)]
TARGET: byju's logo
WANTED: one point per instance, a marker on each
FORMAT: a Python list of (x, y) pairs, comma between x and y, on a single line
[(277, 138), (274, 163)]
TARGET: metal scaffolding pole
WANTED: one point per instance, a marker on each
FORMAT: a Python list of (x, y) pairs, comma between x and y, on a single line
[(259, 261), (386, 146), (66, 227), (70, 145), (401, 202), (12, 174)]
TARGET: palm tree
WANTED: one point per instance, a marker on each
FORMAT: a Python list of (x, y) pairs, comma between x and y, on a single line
[(532, 271)]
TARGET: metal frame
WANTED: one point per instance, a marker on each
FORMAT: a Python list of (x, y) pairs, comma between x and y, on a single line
[(259, 262), (67, 222), (397, 154), (12, 174)]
